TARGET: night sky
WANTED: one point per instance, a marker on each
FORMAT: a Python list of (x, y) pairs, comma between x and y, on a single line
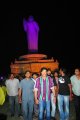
[(57, 36)]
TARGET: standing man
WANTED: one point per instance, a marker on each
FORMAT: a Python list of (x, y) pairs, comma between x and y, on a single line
[(75, 81), (34, 78), (12, 85), (64, 94), (26, 95), (53, 105), (44, 86)]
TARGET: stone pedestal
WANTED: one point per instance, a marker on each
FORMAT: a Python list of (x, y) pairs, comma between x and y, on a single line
[(33, 62)]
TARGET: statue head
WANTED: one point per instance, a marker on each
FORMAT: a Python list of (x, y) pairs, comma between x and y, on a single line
[(30, 18)]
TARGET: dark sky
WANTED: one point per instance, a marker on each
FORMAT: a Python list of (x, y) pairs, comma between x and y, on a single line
[(57, 36)]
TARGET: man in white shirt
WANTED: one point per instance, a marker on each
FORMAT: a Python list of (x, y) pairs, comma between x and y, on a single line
[(75, 81), (12, 85)]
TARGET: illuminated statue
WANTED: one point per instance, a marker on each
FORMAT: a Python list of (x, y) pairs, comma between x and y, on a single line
[(31, 28)]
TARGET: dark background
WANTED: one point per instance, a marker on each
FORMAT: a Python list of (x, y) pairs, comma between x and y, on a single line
[(57, 37)]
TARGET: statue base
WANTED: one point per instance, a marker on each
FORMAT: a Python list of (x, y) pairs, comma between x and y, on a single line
[(34, 63)]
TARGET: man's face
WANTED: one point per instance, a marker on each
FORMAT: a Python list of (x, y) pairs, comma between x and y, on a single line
[(55, 74), (34, 76), (11, 76), (49, 72), (77, 72), (60, 72), (44, 73), (28, 75)]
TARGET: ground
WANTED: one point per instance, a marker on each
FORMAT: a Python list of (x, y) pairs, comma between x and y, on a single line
[(5, 110)]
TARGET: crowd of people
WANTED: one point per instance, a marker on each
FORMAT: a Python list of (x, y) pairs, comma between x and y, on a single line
[(41, 95)]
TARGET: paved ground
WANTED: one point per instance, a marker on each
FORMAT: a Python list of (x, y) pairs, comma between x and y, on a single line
[(5, 110)]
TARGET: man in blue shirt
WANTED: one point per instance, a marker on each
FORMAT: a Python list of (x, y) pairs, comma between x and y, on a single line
[(26, 96)]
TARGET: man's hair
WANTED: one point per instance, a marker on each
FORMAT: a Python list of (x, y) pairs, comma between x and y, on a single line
[(56, 71), (48, 69), (43, 68), (64, 70), (35, 74), (78, 68), (9, 75), (27, 71)]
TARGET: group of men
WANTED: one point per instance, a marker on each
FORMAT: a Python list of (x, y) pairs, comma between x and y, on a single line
[(42, 92)]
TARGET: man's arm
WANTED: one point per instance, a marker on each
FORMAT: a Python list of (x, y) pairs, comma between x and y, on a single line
[(36, 96), (54, 90), (20, 95), (6, 83), (54, 94), (36, 91), (70, 88), (55, 87), (52, 86)]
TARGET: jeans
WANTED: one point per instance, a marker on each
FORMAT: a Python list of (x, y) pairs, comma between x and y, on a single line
[(20, 109), (53, 106), (44, 105), (63, 110), (77, 106), (27, 106), (14, 105)]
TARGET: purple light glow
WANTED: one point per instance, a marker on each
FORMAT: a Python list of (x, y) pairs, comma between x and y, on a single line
[(31, 28)]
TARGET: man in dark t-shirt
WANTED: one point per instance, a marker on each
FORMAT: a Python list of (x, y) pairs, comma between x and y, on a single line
[(63, 85), (64, 94)]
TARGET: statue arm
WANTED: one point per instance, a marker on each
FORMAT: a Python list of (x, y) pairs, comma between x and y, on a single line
[(37, 26), (25, 25)]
